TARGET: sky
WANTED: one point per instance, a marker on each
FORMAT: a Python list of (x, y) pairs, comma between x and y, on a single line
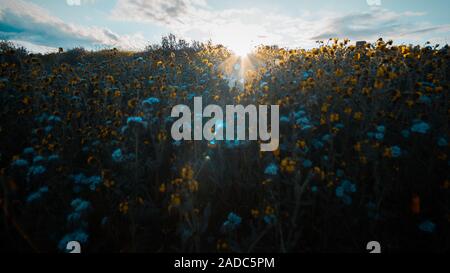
[(44, 25)]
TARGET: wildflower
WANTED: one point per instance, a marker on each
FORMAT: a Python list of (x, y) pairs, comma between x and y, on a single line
[(38, 159), (271, 169), (79, 236), (150, 101), (343, 191), (19, 163), (37, 195), (420, 127), (28, 150), (117, 156), (36, 170), (442, 142), (232, 222), (334, 117), (80, 205), (187, 172), (255, 213), (137, 121), (396, 151), (288, 165), (193, 185), (162, 188), (270, 219), (123, 207), (175, 200), (427, 226), (307, 163), (405, 133)]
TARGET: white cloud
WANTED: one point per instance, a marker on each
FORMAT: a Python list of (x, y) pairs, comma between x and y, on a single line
[(233, 27), (24, 21), (374, 2)]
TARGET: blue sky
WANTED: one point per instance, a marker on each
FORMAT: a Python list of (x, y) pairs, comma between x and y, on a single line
[(42, 25)]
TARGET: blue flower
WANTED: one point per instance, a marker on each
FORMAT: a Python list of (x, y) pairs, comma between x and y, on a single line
[(117, 156), (79, 235), (379, 136), (405, 133), (339, 173), (38, 159), (54, 119), (396, 151), (150, 101), (28, 150), (284, 119), (307, 163), (19, 163), (37, 195), (36, 170), (53, 158), (232, 222), (381, 128), (137, 121), (93, 182), (344, 190), (424, 99), (420, 127), (270, 219), (442, 142), (272, 169), (427, 226), (80, 205), (314, 189)]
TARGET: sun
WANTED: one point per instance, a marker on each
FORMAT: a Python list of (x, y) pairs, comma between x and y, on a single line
[(239, 38), (241, 50)]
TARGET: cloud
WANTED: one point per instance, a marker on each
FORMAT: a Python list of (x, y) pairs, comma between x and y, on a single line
[(24, 21), (374, 2), (196, 20), (79, 2)]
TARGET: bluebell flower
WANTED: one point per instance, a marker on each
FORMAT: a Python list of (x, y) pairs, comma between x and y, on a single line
[(36, 170), (53, 158), (150, 101), (80, 205), (232, 222), (94, 182), (339, 125), (117, 156), (405, 133), (270, 219), (396, 151), (317, 144), (284, 119), (19, 163), (307, 163), (78, 178), (79, 235), (38, 159), (314, 189), (37, 194), (326, 138), (379, 136), (420, 127), (54, 119), (28, 150), (344, 190), (442, 142), (48, 129), (137, 121), (424, 99), (272, 169), (381, 128), (427, 226)]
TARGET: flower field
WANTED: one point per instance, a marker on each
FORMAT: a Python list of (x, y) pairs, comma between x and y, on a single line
[(86, 152)]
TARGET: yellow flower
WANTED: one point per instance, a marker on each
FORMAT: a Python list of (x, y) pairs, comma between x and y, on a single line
[(123, 207), (187, 172), (288, 165), (339, 72), (193, 185), (348, 110), (255, 213), (334, 117), (162, 188), (358, 116), (269, 210)]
